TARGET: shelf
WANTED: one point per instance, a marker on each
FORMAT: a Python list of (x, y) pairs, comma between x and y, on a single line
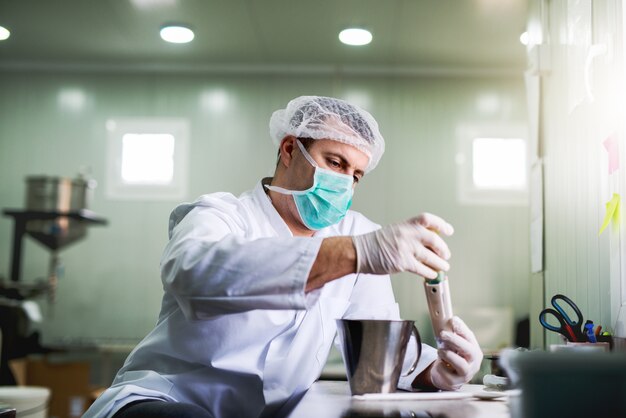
[(81, 215)]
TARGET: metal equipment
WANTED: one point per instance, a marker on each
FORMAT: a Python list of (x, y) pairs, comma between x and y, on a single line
[(56, 216)]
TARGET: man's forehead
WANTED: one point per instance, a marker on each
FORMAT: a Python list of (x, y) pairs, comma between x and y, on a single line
[(351, 154)]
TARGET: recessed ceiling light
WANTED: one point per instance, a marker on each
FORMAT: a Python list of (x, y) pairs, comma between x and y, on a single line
[(355, 36), (4, 33), (177, 34)]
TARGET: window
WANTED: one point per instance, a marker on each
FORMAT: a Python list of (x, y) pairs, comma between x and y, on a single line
[(492, 166), (147, 159), (499, 163)]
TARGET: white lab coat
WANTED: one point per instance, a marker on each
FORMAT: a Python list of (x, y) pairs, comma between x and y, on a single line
[(236, 334)]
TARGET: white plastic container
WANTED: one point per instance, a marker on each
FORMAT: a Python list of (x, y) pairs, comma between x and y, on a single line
[(29, 401)]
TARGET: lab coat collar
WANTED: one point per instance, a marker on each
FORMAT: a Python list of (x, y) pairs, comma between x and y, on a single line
[(275, 219), (263, 200)]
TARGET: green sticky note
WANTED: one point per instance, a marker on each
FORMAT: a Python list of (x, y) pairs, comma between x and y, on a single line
[(612, 213)]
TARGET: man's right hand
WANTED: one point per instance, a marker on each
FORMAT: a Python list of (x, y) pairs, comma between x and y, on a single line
[(414, 246)]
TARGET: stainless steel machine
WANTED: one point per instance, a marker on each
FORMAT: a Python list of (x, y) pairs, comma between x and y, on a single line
[(56, 215)]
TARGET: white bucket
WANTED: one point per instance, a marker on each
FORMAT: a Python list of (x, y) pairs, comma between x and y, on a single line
[(29, 401)]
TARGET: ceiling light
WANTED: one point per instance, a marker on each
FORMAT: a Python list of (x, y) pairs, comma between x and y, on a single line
[(4, 33), (177, 34), (524, 38), (355, 36)]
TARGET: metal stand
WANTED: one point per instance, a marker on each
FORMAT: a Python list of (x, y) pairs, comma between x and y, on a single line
[(54, 230), (52, 241)]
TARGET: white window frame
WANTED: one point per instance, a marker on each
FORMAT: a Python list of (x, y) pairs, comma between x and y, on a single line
[(116, 188), (467, 192)]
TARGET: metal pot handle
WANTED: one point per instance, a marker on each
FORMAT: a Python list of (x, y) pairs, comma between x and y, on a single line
[(418, 345)]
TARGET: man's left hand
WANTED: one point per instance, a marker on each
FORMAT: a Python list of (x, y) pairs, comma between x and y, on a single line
[(459, 357)]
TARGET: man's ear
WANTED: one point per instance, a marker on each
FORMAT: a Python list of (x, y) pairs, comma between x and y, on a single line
[(287, 146)]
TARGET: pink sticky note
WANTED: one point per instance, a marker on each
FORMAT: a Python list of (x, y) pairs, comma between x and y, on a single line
[(612, 147)]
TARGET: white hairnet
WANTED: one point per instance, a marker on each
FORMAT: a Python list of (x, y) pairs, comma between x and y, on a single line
[(328, 118)]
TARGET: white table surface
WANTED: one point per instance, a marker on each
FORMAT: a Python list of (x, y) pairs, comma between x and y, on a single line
[(331, 399)]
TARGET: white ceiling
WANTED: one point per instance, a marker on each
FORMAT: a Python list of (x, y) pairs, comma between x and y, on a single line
[(410, 34)]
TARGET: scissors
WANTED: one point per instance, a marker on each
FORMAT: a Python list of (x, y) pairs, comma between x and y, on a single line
[(570, 329)]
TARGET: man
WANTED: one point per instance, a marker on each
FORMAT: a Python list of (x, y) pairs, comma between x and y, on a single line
[(253, 284)]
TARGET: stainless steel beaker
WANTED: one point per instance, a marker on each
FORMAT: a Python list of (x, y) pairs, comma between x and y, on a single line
[(373, 352)]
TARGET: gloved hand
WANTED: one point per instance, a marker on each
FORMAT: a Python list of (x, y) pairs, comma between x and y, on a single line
[(414, 246), (459, 357)]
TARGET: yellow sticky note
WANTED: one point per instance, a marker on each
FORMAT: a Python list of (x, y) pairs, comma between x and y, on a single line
[(612, 213)]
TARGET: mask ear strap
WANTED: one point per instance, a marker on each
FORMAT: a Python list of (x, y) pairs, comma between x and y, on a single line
[(306, 154), (282, 190)]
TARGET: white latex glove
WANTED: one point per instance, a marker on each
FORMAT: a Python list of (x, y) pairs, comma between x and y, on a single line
[(459, 357), (414, 246)]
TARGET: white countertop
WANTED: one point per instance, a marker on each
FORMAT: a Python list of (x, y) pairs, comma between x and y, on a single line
[(331, 399)]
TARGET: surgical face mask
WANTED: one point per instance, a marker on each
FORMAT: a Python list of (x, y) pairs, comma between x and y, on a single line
[(327, 201)]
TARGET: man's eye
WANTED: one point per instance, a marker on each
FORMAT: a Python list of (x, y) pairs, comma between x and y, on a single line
[(334, 163), (356, 179)]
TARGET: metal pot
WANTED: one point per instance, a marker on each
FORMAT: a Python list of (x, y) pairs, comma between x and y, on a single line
[(46, 193), (57, 195)]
